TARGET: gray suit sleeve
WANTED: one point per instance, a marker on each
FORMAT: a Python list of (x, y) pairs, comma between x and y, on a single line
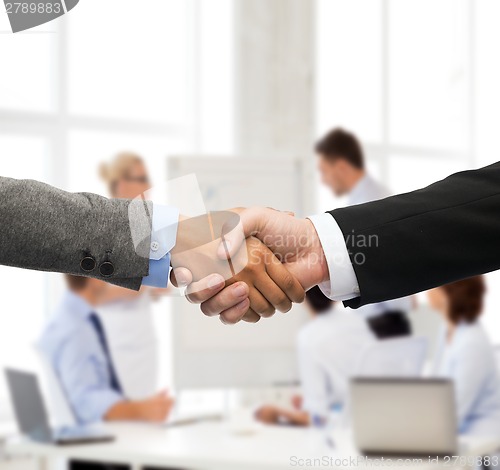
[(47, 229)]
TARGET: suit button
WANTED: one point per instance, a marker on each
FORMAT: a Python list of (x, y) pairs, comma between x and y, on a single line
[(106, 269), (87, 264)]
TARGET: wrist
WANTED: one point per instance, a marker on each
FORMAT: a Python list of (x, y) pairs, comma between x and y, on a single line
[(309, 263), (135, 410), (316, 256)]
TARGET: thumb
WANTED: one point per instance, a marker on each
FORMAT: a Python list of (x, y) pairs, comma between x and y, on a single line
[(181, 277), (234, 236)]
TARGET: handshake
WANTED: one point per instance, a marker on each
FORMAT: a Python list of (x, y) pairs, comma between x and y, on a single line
[(244, 264)]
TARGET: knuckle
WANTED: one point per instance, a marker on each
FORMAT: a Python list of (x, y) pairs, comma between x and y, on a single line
[(288, 282), (252, 319), (281, 299), (267, 315), (300, 296), (286, 310), (231, 316), (191, 297), (285, 306), (265, 311), (229, 320), (194, 296), (258, 308), (207, 309), (252, 265)]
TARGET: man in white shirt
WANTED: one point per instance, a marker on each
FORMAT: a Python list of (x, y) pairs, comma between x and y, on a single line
[(342, 167)]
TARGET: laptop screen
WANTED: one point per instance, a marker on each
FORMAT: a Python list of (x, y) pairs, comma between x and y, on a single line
[(28, 405), (404, 416)]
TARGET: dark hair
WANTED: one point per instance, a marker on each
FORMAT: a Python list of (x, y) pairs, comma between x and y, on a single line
[(465, 299), (318, 301), (339, 143), (76, 283)]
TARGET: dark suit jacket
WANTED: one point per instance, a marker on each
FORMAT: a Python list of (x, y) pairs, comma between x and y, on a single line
[(47, 229), (408, 243)]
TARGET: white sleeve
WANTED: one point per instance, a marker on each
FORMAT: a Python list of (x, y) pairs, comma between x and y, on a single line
[(343, 284), (163, 231)]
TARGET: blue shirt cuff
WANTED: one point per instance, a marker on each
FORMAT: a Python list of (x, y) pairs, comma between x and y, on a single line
[(158, 272), (163, 238), (96, 404)]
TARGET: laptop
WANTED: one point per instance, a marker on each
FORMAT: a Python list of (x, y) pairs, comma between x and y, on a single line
[(401, 416), (32, 417)]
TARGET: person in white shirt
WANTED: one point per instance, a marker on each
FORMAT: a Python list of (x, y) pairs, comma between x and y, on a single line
[(467, 357), (328, 349), (342, 167)]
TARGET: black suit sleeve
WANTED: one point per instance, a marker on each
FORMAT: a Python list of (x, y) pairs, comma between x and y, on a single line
[(408, 243)]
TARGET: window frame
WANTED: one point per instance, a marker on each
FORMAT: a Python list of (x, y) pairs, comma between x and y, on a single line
[(55, 126)]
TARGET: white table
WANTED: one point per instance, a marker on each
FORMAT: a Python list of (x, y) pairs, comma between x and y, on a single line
[(7, 430), (213, 446)]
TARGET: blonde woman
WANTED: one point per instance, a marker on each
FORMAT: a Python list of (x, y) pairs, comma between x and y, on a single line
[(125, 176)]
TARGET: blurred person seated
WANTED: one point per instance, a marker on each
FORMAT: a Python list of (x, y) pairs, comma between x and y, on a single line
[(131, 346), (342, 167), (75, 344), (329, 348), (467, 357)]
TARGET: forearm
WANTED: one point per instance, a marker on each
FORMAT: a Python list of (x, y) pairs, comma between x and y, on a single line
[(412, 242), (296, 417), (48, 229), (155, 409), (125, 411)]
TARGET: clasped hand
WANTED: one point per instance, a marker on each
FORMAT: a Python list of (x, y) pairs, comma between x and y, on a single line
[(245, 264)]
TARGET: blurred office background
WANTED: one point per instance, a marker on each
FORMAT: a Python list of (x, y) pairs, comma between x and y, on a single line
[(416, 80)]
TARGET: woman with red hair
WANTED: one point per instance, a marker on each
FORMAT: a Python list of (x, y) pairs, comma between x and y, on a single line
[(467, 357)]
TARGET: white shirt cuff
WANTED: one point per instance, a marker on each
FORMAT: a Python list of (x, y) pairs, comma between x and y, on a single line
[(164, 230), (343, 284)]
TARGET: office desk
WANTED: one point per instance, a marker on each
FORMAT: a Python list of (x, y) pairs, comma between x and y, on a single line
[(214, 446)]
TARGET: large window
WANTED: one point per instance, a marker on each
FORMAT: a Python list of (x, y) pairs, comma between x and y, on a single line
[(418, 82), (154, 77)]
